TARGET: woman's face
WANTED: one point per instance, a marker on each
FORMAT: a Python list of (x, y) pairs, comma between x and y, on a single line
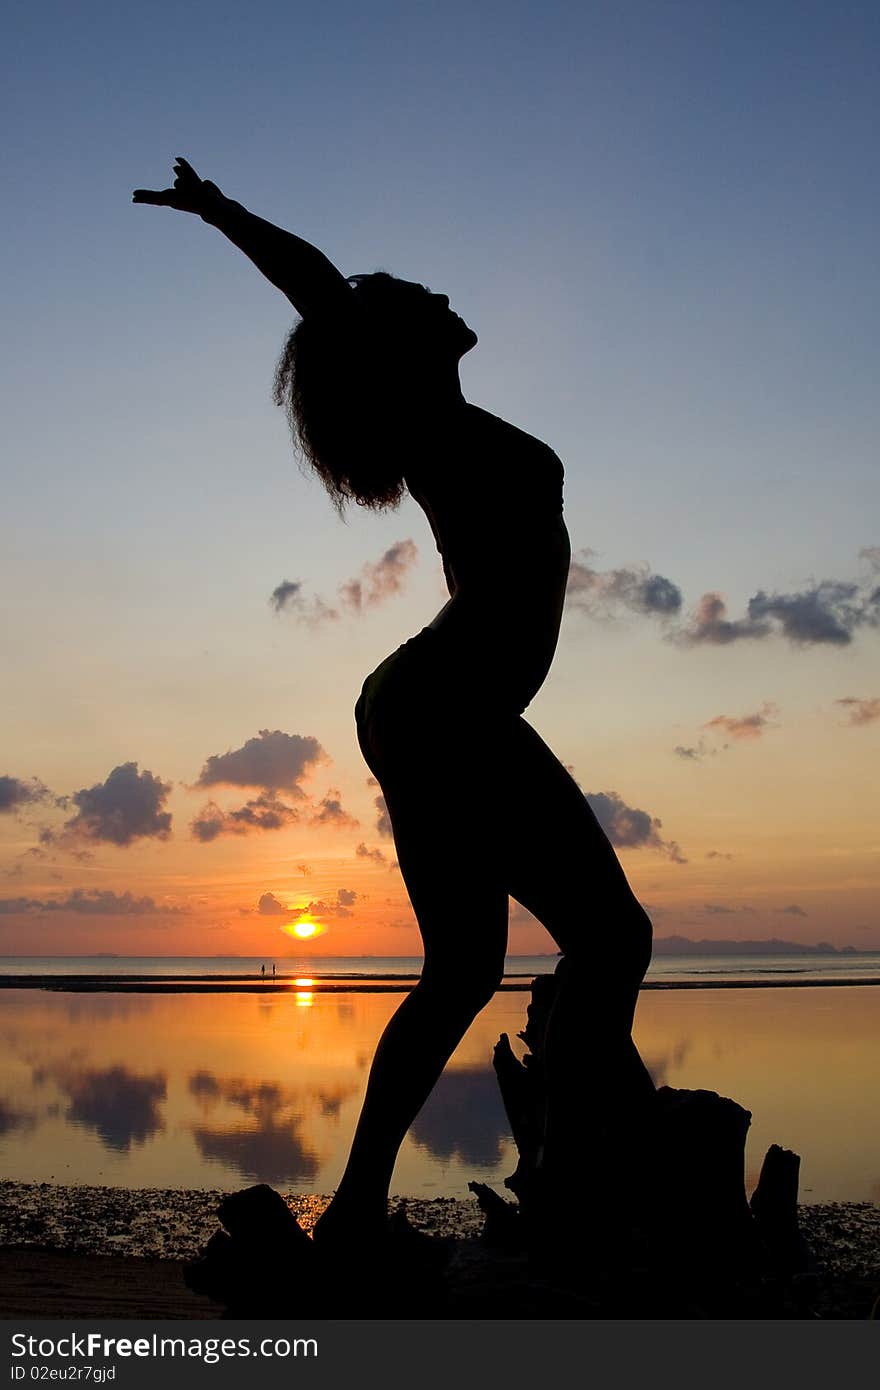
[(423, 322), (432, 316)]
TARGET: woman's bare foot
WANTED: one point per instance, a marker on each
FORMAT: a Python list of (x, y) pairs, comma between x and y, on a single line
[(350, 1241), (346, 1227)]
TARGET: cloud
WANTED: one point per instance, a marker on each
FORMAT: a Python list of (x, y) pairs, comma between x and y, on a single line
[(340, 907), (92, 902), (627, 827), (120, 1106), (602, 593), (271, 1153), (827, 613), (711, 624), (738, 727), (274, 761), (792, 911), (330, 812), (16, 792), (383, 820), (272, 1148), (50, 839), (284, 593), (377, 581), (745, 726), (464, 1118), (375, 855), (128, 806), (264, 812), (380, 580), (860, 711), (209, 823), (717, 854), (288, 597), (270, 906)]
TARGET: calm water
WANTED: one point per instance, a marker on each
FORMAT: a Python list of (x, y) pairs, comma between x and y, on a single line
[(189, 1090), (309, 964), (698, 969)]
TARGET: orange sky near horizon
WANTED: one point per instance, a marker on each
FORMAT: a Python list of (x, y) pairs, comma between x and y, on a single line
[(806, 870)]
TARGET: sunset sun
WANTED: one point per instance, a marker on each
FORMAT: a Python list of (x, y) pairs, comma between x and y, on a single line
[(302, 930)]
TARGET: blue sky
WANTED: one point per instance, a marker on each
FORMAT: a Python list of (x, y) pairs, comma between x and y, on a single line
[(662, 221)]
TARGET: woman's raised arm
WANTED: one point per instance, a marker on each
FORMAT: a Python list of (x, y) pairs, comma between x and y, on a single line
[(299, 270)]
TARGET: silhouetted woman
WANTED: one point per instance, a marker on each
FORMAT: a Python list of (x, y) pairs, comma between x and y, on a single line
[(480, 807)]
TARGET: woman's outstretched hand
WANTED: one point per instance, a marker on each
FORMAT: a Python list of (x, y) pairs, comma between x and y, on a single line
[(299, 270), (189, 193)]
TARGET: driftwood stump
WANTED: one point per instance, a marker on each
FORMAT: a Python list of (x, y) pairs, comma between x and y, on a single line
[(249, 1265), (263, 1264), (672, 1205)]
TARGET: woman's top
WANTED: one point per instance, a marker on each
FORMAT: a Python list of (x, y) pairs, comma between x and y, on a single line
[(493, 497)]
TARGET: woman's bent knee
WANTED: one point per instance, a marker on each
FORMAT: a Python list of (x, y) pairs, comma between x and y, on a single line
[(465, 991), (622, 953)]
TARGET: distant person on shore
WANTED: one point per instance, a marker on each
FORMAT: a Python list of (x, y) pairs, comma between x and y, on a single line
[(263, 970), (273, 970), (479, 806)]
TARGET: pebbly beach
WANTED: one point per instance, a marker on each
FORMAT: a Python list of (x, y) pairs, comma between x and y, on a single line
[(76, 1252)]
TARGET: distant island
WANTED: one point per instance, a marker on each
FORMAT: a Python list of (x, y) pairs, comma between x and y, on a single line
[(683, 946)]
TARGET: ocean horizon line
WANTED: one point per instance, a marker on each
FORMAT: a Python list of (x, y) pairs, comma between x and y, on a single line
[(666, 946)]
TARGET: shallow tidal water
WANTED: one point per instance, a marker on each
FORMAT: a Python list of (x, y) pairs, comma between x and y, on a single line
[(146, 1090)]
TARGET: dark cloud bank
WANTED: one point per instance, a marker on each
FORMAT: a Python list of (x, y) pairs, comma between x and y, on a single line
[(275, 763), (90, 902), (18, 792), (127, 806), (628, 827), (270, 906), (273, 760), (829, 612)]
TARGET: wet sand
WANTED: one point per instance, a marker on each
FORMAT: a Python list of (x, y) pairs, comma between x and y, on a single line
[(59, 1284), (79, 1252)]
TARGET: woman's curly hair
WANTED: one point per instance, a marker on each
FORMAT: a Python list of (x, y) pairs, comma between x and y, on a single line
[(334, 381)]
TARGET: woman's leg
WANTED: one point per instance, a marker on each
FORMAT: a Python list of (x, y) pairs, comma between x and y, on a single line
[(562, 868), (477, 814), (460, 901)]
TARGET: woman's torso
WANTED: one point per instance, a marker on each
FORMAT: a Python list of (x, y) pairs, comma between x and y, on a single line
[(493, 498)]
